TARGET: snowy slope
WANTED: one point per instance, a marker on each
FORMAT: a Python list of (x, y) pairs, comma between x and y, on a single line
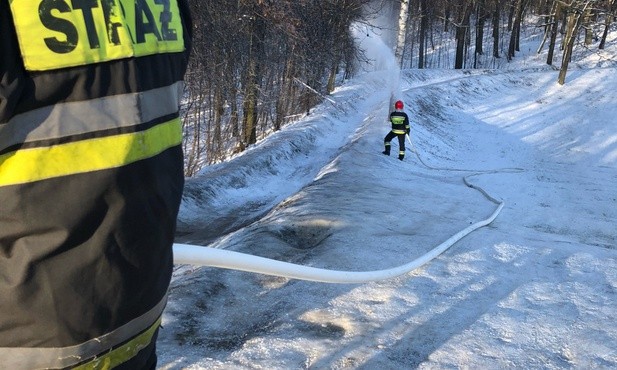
[(535, 289)]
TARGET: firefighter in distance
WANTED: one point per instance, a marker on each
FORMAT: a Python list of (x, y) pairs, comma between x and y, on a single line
[(400, 128)]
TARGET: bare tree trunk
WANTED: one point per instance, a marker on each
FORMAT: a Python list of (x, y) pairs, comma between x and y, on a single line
[(285, 93), (496, 18), (511, 13), (610, 13), (461, 36), (332, 77), (588, 27), (547, 26), (555, 16), (569, 40), (481, 14), (188, 124), (234, 114), (253, 77), (192, 147), (402, 31), (480, 21), (217, 139), (423, 28), (574, 23), (516, 29), (446, 16)]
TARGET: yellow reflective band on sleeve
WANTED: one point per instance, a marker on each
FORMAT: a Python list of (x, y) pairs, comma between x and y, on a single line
[(121, 354), (56, 34), (29, 165)]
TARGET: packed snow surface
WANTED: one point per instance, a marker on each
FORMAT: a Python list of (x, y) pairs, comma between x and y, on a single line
[(535, 289)]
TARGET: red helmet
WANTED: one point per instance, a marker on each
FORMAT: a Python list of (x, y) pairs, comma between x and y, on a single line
[(398, 105)]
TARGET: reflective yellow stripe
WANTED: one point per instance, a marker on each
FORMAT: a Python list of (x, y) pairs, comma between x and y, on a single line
[(68, 357), (35, 164), (399, 132), (106, 113), (123, 353), (55, 34)]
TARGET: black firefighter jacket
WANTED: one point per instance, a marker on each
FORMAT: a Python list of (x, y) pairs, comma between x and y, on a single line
[(91, 175)]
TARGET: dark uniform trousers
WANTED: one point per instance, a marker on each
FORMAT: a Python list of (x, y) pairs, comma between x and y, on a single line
[(401, 142)]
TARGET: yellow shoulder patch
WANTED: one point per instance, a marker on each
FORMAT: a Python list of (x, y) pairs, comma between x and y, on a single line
[(57, 34)]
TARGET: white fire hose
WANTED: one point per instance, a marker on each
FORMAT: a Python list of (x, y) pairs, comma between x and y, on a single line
[(213, 257)]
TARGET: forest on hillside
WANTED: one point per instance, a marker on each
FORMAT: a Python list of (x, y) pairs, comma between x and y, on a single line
[(257, 65)]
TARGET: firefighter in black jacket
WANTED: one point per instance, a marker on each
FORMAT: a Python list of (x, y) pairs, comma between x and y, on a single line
[(91, 176), (400, 128)]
